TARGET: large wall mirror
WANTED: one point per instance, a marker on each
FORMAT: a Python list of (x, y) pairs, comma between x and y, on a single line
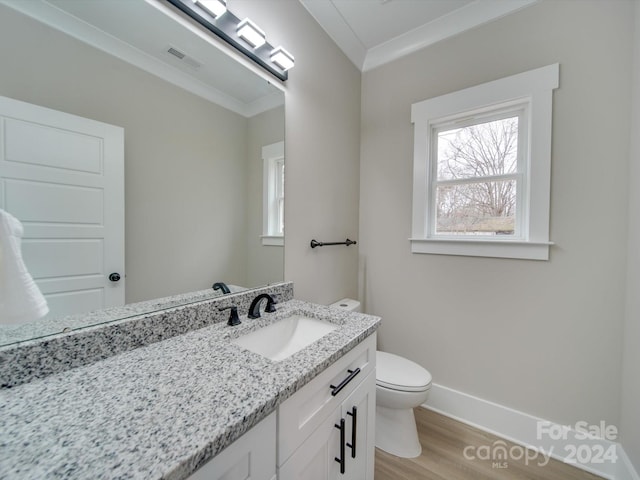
[(195, 124)]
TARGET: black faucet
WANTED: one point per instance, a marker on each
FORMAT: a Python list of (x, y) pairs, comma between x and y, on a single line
[(254, 308), (221, 286)]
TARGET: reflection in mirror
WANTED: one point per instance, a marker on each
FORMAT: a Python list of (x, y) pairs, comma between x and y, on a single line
[(193, 167)]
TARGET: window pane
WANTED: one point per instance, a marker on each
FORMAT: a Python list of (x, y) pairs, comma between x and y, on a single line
[(478, 208), (479, 150), (281, 216), (280, 178)]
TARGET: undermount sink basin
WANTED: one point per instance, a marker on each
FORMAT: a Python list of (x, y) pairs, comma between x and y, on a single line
[(285, 337)]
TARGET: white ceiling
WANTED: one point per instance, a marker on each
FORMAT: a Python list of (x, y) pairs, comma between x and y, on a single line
[(374, 32)]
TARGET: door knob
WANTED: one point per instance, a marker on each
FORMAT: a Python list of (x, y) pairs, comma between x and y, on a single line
[(114, 277)]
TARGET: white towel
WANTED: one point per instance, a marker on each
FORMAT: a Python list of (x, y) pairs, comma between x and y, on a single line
[(20, 298)]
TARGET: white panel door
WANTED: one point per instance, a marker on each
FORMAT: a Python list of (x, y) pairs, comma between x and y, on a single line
[(62, 176)]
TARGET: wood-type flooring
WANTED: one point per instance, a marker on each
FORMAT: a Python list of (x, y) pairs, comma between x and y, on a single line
[(443, 456)]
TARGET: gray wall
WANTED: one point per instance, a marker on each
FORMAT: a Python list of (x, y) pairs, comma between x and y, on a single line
[(541, 337), (322, 144), (630, 418), (264, 262), (185, 158)]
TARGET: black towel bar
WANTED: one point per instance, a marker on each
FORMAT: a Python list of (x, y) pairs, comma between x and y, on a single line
[(347, 242)]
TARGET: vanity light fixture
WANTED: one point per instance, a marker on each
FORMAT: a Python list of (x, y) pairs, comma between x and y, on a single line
[(251, 33), (245, 36), (215, 7), (282, 58)]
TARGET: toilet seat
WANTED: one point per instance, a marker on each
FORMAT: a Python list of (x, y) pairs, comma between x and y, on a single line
[(398, 373)]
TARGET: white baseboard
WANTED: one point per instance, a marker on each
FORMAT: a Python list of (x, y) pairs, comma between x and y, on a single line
[(602, 457)]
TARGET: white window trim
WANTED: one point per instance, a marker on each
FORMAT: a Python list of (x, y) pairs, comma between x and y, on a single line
[(533, 89), (270, 155)]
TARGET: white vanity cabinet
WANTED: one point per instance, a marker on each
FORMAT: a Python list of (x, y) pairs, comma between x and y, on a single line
[(251, 457), (326, 430)]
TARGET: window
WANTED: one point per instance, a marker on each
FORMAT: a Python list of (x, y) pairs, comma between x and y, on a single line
[(478, 174), (273, 194), (482, 162)]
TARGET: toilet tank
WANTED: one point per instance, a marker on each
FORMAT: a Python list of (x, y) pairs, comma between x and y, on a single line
[(347, 304)]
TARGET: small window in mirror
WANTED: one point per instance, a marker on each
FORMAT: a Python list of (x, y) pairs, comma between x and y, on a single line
[(273, 194)]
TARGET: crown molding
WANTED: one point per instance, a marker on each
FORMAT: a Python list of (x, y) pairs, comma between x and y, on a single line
[(338, 29), (458, 21)]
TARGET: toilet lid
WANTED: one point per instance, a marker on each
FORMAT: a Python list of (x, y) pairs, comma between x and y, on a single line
[(399, 373)]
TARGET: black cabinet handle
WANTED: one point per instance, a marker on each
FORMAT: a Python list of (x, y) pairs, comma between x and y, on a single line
[(341, 460), (343, 383), (354, 427)]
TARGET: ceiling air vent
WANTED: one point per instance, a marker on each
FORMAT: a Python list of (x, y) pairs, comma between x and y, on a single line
[(176, 53), (183, 57)]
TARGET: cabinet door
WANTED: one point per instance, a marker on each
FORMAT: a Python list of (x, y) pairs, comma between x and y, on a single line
[(302, 413), (318, 457), (359, 411), (315, 459), (251, 457)]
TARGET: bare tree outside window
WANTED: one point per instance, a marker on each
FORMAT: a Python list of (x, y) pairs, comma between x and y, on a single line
[(477, 178)]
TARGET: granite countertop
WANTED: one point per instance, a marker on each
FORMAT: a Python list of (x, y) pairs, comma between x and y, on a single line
[(162, 410), (52, 324)]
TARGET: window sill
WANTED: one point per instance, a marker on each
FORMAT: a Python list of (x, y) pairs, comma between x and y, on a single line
[(272, 240), (482, 248)]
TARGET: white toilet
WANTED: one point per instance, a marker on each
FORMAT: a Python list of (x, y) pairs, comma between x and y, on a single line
[(401, 385)]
